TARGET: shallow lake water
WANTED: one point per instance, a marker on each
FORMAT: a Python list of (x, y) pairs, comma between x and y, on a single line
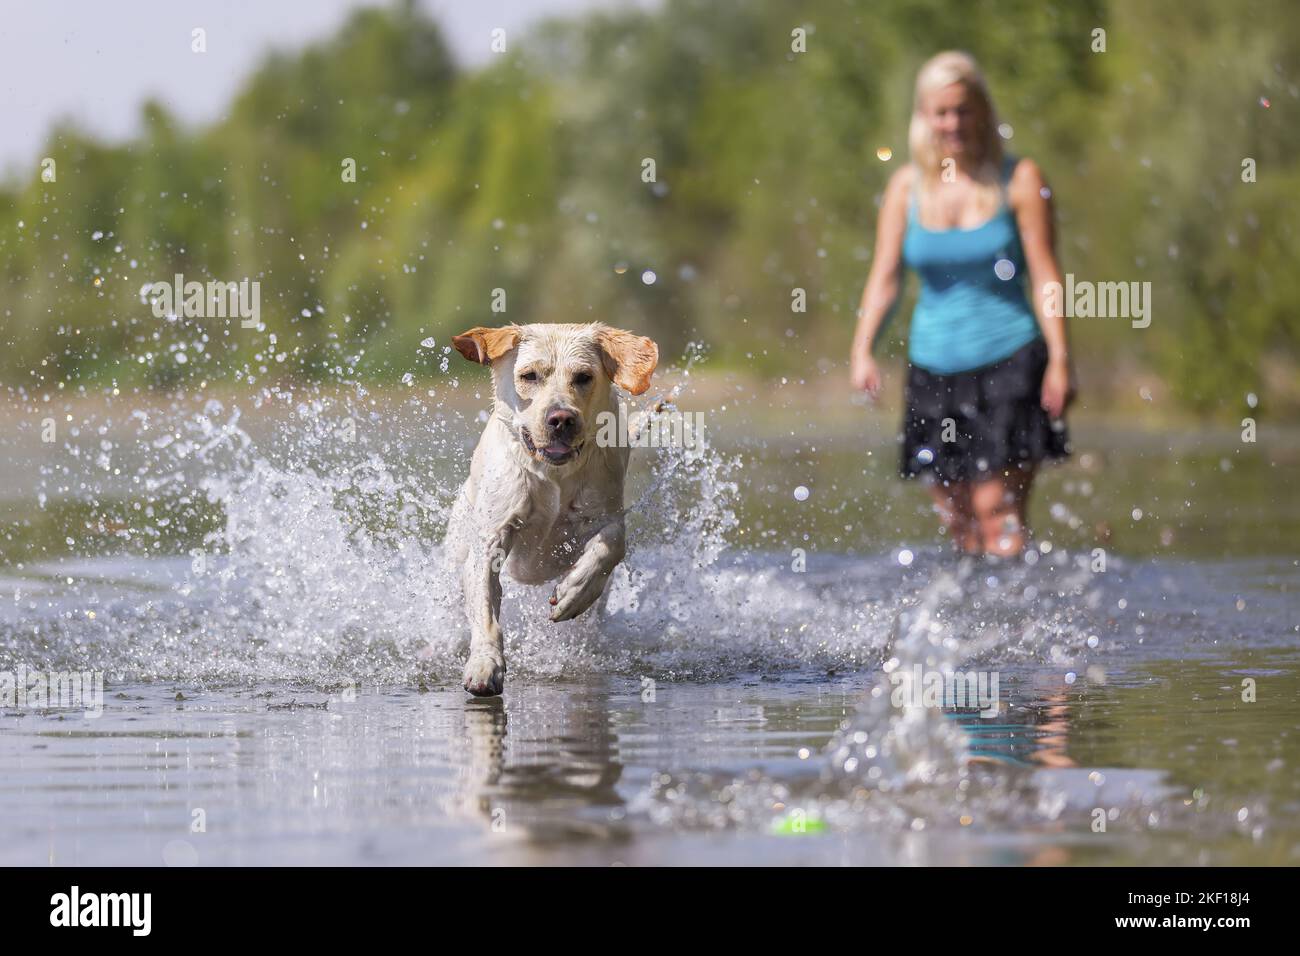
[(280, 650)]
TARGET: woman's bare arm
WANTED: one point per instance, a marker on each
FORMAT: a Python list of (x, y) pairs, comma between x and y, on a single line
[(884, 280), (1032, 203)]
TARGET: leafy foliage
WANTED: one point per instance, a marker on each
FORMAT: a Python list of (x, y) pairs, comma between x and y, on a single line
[(526, 176)]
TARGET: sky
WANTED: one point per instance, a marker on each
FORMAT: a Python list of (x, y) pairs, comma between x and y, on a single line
[(98, 60)]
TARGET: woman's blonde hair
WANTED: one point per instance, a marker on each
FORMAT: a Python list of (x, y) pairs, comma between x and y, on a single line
[(941, 70)]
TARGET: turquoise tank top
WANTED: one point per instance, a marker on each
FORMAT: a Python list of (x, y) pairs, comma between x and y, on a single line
[(972, 309)]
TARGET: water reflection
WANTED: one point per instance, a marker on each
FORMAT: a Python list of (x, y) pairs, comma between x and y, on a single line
[(559, 772), (1034, 732), (554, 779)]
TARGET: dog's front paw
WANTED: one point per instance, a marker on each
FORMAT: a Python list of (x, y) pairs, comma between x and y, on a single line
[(485, 674), (574, 594)]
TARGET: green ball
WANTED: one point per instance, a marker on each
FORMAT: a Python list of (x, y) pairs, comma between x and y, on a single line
[(793, 825)]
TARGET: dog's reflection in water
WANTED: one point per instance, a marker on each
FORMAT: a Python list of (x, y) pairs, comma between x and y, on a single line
[(542, 766)]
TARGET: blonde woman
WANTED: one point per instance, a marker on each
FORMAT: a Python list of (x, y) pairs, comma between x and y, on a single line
[(988, 378)]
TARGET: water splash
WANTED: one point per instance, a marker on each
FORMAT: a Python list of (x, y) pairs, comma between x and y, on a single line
[(324, 569), (323, 564), (896, 767)]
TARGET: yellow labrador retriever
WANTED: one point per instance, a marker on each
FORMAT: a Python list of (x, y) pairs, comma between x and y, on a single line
[(544, 499)]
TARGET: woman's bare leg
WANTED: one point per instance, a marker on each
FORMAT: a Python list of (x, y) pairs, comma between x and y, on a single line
[(1000, 506), (952, 502)]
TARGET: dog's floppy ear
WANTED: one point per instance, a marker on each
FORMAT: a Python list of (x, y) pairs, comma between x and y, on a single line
[(629, 359), (484, 345)]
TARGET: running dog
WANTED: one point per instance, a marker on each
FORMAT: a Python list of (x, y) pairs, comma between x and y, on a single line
[(544, 499)]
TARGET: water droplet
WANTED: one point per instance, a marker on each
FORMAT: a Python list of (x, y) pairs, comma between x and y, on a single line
[(1004, 269), (801, 493), (884, 154), (180, 853)]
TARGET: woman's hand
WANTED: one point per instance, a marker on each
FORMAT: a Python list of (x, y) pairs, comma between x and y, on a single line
[(864, 373), (1057, 390)]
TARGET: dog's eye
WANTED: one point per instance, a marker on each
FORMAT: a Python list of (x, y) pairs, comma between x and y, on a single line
[(529, 376), (582, 378)]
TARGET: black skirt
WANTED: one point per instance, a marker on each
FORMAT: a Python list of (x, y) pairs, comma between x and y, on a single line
[(975, 425)]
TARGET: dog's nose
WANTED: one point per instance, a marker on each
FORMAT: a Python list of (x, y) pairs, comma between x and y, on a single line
[(562, 422)]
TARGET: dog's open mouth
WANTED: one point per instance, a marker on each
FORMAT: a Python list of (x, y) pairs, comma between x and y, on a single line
[(556, 453)]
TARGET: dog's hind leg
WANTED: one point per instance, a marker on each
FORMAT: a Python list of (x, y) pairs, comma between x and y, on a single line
[(585, 581)]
